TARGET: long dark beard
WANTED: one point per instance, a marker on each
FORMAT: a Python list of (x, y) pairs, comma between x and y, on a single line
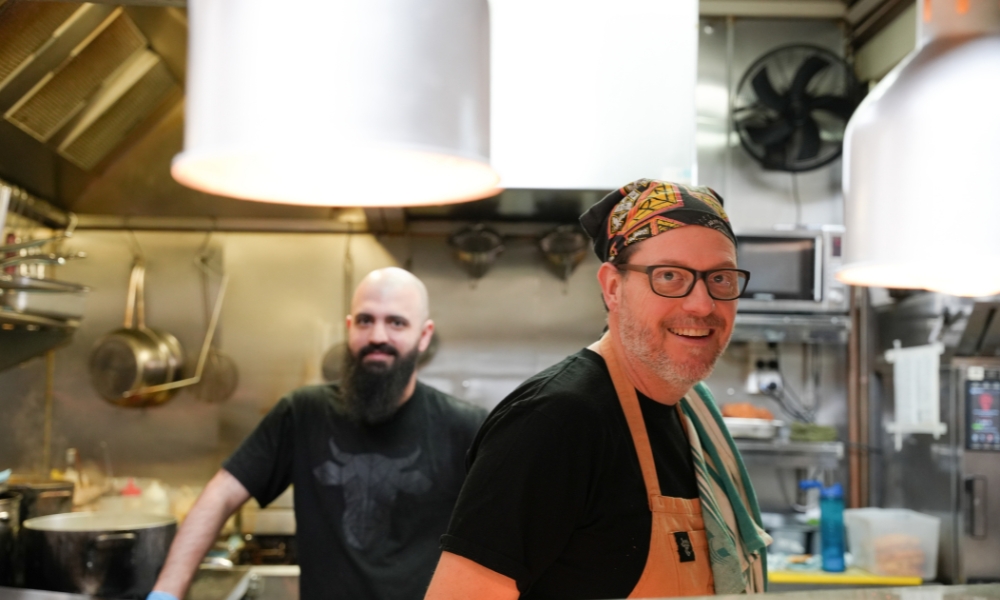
[(372, 392)]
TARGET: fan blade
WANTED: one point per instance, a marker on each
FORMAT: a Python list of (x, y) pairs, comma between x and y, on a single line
[(774, 133), (774, 157), (804, 75), (766, 93), (836, 105), (809, 147)]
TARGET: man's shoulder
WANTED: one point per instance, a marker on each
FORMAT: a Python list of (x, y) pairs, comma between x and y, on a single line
[(454, 408), (578, 387), (312, 396)]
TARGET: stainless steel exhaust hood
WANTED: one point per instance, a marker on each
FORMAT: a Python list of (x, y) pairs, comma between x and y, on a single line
[(92, 111), (78, 80)]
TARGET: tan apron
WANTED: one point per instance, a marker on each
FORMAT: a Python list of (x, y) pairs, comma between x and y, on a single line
[(678, 562)]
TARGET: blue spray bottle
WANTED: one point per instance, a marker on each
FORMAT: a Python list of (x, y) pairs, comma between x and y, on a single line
[(831, 524)]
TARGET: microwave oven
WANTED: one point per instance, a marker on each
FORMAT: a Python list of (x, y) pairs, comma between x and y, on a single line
[(792, 270)]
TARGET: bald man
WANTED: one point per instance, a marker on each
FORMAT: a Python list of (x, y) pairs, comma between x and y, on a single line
[(377, 461)]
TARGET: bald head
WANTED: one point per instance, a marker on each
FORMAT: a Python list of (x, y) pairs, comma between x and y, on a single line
[(389, 316), (387, 330), (396, 285)]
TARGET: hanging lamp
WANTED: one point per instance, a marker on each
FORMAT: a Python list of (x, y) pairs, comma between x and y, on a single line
[(338, 103), (922, 161)]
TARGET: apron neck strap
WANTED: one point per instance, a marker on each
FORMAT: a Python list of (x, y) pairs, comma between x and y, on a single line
[(633, 415)]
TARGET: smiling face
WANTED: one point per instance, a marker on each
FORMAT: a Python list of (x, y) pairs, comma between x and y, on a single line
[(388, 319), (677, 340)]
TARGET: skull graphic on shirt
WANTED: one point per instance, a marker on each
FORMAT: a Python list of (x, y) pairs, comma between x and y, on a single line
[(370, 483)]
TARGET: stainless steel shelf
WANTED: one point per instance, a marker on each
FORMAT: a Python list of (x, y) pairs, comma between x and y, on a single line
[(792, 328), (825, 455)]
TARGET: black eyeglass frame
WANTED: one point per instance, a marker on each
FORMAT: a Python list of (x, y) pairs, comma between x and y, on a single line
[(698, 275)]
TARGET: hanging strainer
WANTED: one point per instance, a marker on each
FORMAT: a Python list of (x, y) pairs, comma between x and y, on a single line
[(476, 248), (564, 248)]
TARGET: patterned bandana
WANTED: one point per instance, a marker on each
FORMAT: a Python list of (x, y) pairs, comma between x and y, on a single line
[(640, 211)]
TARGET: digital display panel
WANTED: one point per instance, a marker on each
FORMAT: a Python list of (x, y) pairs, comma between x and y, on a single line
[(982, 429), (780, 268)]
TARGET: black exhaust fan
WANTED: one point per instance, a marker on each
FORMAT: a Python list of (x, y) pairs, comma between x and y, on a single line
[(792, 105)]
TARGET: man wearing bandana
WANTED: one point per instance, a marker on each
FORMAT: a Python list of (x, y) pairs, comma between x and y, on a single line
[(377, 461), (611, 474)]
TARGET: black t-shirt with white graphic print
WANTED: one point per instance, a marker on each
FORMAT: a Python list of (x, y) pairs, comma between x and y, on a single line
[(371, 501)]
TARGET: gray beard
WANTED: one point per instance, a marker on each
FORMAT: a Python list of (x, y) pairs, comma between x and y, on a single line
[(373, 394), (640, 343)]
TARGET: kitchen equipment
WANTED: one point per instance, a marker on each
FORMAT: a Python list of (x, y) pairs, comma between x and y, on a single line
[(135, 357), (955, 477), (4, 205), (792, 105), (9, 249), (564, 248), (109, 555), (221, 377), (41, 497), (202, 356), (50, 258), (893, 541), (792, 270), (476, 247), (10, 504), (43, 297), (755, 429)]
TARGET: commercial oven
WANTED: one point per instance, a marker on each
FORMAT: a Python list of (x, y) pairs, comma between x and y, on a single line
[(955, 477)]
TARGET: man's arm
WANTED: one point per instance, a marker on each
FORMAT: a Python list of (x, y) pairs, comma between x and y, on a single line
[(223, 495), (458, 578)]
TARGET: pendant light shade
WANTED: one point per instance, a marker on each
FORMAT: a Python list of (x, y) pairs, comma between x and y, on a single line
[(922, 161), (338, 103)]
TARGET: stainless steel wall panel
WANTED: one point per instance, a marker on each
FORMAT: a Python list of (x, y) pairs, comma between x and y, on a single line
[(755, 197)]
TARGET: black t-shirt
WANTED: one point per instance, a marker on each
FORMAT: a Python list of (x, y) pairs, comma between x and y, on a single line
[(371, 502), (554, 497)]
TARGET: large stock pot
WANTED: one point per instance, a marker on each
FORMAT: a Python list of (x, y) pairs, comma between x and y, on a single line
[(103, 554)]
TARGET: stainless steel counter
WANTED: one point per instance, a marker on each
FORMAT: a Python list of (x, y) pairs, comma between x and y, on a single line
[(933, 592), (281, 583), (208, 584)]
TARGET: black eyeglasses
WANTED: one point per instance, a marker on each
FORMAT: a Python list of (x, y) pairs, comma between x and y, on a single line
[(676, 282)]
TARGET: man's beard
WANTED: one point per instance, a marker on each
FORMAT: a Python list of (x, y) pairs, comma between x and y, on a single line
[(373, 392), (646, 347)]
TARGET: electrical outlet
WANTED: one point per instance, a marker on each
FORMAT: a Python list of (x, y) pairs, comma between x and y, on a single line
[(764, 378), (769, 381)]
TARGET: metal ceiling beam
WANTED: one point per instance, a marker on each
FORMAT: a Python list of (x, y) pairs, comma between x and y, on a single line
[(860, 10), (801, 9), (174, 3), (880, 15)]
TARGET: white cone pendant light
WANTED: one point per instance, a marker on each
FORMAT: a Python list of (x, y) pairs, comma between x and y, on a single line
[(922, 161), (338, 102)]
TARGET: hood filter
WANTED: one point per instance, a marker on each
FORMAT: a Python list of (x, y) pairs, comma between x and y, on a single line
[(62, 94)]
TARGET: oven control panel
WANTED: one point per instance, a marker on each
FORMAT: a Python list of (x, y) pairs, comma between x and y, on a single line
[(982, 414)]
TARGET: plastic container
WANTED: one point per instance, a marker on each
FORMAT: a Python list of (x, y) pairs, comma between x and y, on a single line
[(831, 525), (155, 500), (894, 541)]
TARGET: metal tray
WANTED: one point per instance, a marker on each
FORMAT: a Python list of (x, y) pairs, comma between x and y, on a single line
[(57, 305), (755, 429)]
